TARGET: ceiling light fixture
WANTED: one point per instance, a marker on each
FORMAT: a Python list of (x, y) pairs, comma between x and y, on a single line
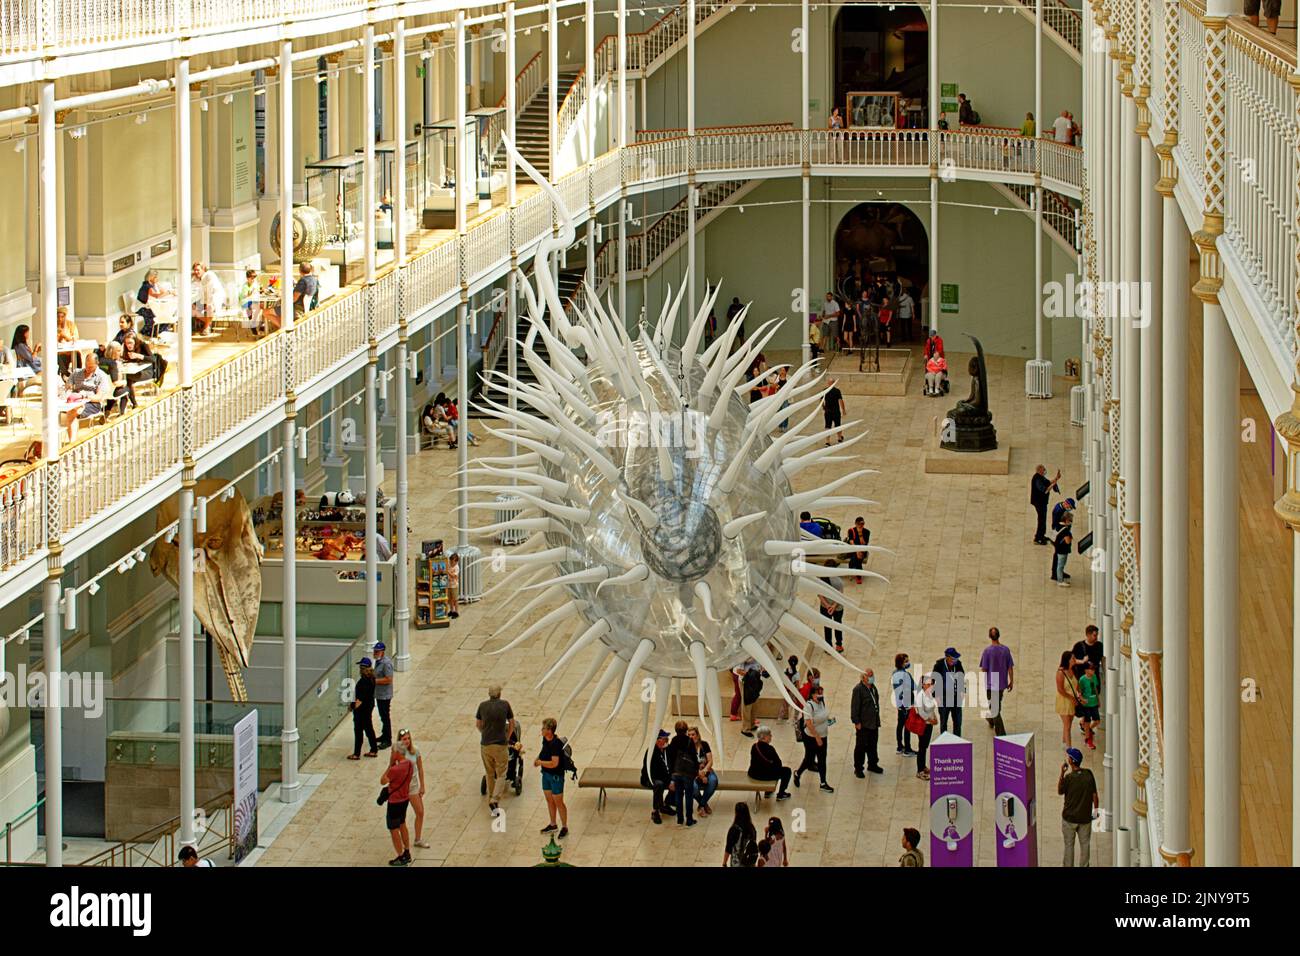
[(230, 97), (141, 119), (94, 587), (203, 105)]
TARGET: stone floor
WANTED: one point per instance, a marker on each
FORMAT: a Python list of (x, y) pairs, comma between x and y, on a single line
[(963, 561)]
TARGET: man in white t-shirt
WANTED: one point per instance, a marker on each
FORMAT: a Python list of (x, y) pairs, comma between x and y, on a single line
[(1062, 128), (830, 324)]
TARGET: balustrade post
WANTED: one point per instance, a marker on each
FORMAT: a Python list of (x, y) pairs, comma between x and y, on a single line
[(1288, 506), (401, 542), (52, 633), (369, 205)]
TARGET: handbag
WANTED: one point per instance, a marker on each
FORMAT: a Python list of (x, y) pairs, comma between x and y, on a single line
[(382, 798), (914, 724)]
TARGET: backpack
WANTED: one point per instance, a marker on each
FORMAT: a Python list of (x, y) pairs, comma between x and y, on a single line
[(746, 852), (566, 760)]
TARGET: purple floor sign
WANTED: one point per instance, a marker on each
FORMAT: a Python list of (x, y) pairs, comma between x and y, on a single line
[(1015, 810), (952, 818)]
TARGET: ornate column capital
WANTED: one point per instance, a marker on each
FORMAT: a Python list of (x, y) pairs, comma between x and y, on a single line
[(1288, 429), (1168, 169)]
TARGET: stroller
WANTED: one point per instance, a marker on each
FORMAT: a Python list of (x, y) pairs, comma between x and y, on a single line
[(514, 767)]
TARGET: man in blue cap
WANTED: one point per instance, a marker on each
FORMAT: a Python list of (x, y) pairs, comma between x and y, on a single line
[(950, 682), (384, 694), (656, 775), (1079, 788), (1059, 511)]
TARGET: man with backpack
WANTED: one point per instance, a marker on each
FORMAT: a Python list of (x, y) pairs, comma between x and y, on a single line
[(685, 765)]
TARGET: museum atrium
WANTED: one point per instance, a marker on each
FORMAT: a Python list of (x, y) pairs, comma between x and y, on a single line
[(684, 271)]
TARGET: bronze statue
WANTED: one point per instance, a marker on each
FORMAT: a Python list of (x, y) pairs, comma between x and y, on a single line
[(969, 426)]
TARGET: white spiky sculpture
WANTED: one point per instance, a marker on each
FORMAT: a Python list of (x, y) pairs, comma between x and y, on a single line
[(663, 502)]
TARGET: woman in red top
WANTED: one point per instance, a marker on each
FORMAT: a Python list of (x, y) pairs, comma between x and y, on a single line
[(398, 780)]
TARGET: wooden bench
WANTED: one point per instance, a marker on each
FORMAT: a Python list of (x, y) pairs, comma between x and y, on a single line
[(629, 778)]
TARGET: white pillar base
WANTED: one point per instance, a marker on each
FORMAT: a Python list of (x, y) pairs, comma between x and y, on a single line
[(1079, 409), (1038, 379)]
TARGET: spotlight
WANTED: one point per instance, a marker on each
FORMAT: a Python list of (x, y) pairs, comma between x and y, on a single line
[(171, 536), (70, 610), (139, 555), (141, 119), (25, 636), (130, 563), (359, 71), (77, 132), (123, 568), (230, 97), (20, 145), (426, 54), (413, 363), (203, 105), (357, 400), (742, 210), (230, 491), (302, 444), (321, 77), (995, 212), (201, 519), (93, 588)]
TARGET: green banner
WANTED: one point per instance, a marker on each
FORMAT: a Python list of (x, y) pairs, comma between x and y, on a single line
[(948, 298), (948, 98)]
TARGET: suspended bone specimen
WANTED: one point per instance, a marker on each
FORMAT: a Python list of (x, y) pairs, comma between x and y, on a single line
[(668, 524)]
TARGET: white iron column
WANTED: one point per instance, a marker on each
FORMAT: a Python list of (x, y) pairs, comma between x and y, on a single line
[(692, 190), (589, 134), (621, 143), (932, 117), (402, 543), (1221, 450), (185, 565), (1174, 541), (805, 182), (52, 626), (552, 88), (1037, 389), (368, 207), (462, 312), (512, 279), (290, 786)]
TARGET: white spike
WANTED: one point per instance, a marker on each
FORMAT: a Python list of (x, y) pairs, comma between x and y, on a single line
[(504, 461), (602, 652), (727, 483), (814, 618), (530, 574), (651, 733), (643, 650), (815, 587), (696, 331), (777, 448), (764, 659), (530, 423), (705, 595), (788, 390), (552, 486), (666, 376), (698, 654), (822, 571), (792, 466), (800, 629), (585, 576), (839, 501), (718, 346), (802, 499), (763, 421), (648, 517), (583, 640), (815, 546), (714, 372), (563, 512), (711, 690), (550, 594), (636, 574), (799, 444), (615, 670), (555, 456), (731, 530), (561, 613), (543, 524), (537, 557), (745, 357)]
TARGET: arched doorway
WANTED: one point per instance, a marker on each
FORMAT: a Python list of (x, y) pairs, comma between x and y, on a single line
[(881, 50), (881, 238)]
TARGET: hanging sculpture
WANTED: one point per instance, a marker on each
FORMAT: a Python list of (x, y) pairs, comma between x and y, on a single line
[(227, 574), (664, 504)]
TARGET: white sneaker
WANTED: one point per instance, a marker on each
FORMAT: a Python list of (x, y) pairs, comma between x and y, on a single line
[(1062, 584)]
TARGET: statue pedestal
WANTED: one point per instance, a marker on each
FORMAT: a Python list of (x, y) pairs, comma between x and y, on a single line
[(940, 461)]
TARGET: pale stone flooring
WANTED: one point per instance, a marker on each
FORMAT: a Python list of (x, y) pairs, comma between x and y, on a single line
[(963, 562)]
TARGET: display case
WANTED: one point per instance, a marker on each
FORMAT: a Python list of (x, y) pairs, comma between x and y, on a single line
[(491, 126), (431, 605), (334, 187), (873, 110), (441, 168), (326, 529), (386, 184)]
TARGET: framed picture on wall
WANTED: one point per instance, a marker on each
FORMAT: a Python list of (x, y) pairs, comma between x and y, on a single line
[(871, 110)]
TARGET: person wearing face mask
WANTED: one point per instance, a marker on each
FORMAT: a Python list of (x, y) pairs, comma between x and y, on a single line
[(927, 708), (904, 691), (950, 678), (864, 711), (817, 722)]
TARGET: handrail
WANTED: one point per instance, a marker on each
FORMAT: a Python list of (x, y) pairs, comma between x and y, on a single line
[(653, 135), (18, 821), (164, 832)]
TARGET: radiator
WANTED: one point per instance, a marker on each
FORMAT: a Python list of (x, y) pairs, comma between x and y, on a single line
[(1038, 379), (508, 508), (471, 574), (1078, 405)]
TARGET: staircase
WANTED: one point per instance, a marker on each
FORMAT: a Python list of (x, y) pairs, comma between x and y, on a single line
[(1062, 24), (532, 127), (1058, 213), (569, 282)]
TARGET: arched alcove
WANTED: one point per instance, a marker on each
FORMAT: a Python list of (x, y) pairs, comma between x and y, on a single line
[(881, 50), (881, 238)]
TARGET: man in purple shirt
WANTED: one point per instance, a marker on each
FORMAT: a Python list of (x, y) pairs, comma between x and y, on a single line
[(997, 671)]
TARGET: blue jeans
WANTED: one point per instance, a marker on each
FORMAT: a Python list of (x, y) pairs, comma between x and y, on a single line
[(705, 791), (1058, 567), (684, 790)]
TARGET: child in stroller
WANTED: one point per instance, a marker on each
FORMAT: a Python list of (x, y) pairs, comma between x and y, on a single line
[(515, 766)]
